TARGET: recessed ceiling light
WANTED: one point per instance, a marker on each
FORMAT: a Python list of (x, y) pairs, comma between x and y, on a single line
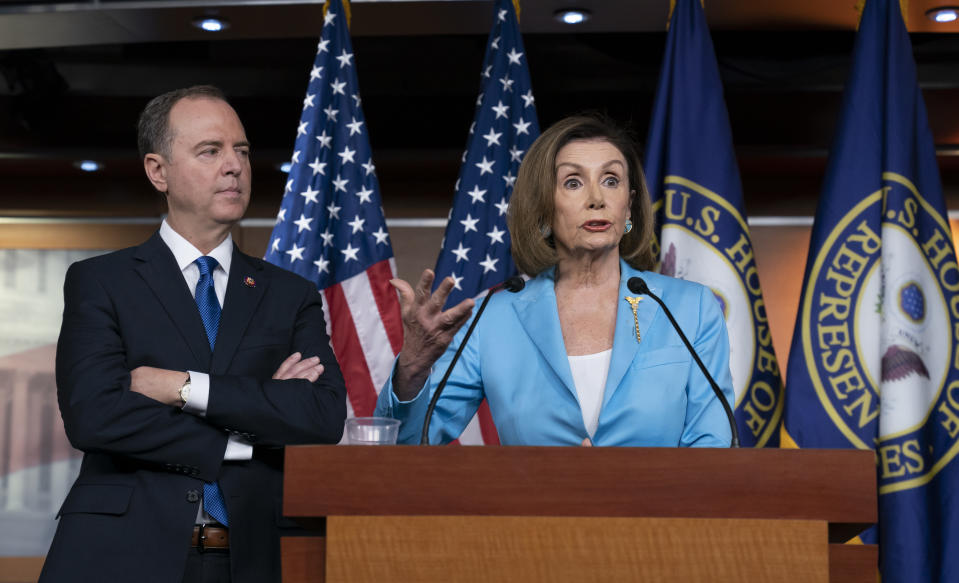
[(943, 14), (572, 16), (285, 167), (211, 23), (88, 165)]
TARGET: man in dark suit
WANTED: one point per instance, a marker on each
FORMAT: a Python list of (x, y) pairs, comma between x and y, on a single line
[(183, 367)]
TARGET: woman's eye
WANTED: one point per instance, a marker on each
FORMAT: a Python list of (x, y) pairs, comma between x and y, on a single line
[(572, 183), (611, 181)]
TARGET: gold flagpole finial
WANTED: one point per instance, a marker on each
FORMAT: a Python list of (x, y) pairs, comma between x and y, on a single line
[(903, 9)]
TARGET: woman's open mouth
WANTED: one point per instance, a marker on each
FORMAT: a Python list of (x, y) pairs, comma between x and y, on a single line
[(597, 226)]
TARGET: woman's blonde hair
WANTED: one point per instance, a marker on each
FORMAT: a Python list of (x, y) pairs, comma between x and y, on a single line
[(531, 207)]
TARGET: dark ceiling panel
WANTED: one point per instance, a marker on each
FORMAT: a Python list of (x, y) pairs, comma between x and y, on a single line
[(79, 87)]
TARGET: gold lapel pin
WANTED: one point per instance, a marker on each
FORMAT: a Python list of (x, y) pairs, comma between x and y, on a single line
[(633, 303)]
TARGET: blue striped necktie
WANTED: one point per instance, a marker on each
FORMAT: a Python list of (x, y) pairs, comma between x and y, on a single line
[(209, 307)]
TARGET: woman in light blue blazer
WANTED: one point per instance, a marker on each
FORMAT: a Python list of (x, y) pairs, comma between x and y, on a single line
[(575, 358)]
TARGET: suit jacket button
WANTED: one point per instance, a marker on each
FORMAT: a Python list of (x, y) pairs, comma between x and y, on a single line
[(193, 496)]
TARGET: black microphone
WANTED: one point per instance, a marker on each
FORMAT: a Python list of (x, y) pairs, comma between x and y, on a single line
[(638, 286), (513, 284)]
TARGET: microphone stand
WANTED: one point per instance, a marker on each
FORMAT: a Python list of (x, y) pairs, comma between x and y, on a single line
[(513, 284), (638, 286)]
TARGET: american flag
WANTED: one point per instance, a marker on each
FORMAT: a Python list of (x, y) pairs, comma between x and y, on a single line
[(330, 228), (476, 246)]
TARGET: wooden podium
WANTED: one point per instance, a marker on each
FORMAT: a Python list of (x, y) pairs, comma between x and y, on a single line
[(458, 514)]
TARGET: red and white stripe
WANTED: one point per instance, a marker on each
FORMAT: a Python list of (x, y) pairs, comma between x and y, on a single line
[(363, 320)]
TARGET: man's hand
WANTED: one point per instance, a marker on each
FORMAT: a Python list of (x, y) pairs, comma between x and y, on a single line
[(297, 367), (158, 383), (427, 330), (163, 385)]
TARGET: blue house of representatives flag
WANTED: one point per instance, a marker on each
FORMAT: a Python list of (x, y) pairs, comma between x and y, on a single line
[(476, 246), (697, 197), (330, 228), (876, 346)]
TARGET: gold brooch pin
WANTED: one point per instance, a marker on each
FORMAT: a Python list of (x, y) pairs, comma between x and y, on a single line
[(633, 303)]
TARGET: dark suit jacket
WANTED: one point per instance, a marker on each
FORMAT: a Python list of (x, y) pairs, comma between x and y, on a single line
[(129, 515)]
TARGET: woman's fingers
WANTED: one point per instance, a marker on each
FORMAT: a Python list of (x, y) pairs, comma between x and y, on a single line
[(459, 314), (424, 285), (405, 291), (438, 299)]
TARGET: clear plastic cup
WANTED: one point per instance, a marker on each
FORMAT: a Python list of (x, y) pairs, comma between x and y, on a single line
[(372, 431)]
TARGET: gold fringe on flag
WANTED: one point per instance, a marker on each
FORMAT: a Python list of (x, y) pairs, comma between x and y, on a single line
[(785, 440), (903, 8), (346, 8), (516, 8)]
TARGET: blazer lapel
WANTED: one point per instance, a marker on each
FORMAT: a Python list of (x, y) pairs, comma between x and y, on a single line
[(539, 317), (625, 345), (157, 266), (245, 288)]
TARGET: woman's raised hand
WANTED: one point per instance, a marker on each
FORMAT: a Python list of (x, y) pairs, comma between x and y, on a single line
[(427, 330)]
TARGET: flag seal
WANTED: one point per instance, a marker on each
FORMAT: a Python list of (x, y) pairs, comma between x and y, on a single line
[(877, 309)]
